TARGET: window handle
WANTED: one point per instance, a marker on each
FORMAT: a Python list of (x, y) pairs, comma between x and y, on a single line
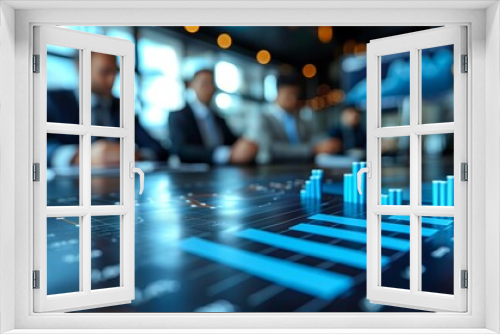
[(138, 171), (368, 170)]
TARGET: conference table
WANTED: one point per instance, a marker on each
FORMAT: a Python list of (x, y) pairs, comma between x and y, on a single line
[(240, 239)]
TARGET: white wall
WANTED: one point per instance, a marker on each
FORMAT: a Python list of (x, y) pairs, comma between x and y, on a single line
[(493, 163), (7, 159)]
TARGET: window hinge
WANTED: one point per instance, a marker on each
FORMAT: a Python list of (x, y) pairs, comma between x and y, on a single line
[(36, 172), (465, 279), (465, 64), (464, 168), (36, 63), (36, 279)]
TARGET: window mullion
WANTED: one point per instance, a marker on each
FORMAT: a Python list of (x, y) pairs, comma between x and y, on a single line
[(85, 162), (414, 171)]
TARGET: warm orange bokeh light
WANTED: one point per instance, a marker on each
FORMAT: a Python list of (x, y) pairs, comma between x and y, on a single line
[(263, 57), (224, 41), (192, 29), (325, 34), (309, 70)]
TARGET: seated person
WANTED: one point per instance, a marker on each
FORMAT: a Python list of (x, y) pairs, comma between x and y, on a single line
[(350, 132), (286, 132), (199, 135), (63, 107)]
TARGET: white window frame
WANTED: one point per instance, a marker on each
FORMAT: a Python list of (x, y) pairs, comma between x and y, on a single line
[(414, 43), (85, 43), (483, 102)]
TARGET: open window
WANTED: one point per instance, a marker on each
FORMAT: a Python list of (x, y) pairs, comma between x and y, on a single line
[(429, 191), (75, 288)]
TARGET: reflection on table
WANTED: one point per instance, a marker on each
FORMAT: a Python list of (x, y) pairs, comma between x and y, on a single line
[(240, 240)]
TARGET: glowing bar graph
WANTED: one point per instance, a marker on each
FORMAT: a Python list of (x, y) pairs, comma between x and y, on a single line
[(313, 281), (355, 169), (443, 192), (384, 199), (351, 194), (450, 187), (392, 196), (362, 197), (348, 187), (313, 188)]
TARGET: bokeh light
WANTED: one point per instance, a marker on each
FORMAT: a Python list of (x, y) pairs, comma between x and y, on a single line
[(309, 71), (263, 57), (224, 41), (325, 34), (192, 29)]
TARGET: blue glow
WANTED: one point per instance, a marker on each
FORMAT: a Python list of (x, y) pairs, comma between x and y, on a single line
[(392, 197), (435, 193), (354, 236), (442, 193), (348, 187), (436, 221), (354, 185), (362, 197), (388, 227), (384, 199), (450, 187), (319, 283), (346, 256)]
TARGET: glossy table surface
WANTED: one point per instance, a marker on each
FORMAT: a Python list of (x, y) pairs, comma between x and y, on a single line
[(235, 239)]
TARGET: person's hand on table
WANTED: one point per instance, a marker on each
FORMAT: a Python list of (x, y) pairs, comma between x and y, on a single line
[(103, 153), (243, 151), (327, 146)]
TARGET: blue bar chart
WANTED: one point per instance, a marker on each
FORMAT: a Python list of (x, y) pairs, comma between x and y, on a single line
[(313, 188), (351, 194), (442, 191)]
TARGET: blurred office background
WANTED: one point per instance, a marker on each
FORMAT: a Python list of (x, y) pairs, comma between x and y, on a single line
[(247, 61)]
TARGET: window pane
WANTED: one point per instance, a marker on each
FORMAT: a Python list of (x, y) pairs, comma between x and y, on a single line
[(437, 255), (395, 92), (63, 255), (437, 84), (63, 86), (437, 170), (105, 98), (395, 245), (105, 156), (105, 254), (63, 170), (395, 171)]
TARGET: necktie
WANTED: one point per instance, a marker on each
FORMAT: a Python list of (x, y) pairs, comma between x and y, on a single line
[(291, 129), (212, 135)]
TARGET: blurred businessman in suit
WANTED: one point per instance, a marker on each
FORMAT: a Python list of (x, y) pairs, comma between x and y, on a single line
[(63, 107), (285, 131), (199, 135), (349, 132)]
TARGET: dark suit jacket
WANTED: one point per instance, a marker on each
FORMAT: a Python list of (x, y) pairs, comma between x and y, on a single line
[(351, 138), (186, 138), (63, 107)]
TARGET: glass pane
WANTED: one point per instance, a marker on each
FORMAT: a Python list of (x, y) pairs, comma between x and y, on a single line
[(437, 84), (105, 156), (437, 170), (437, 254), (63, 170), (63, 86), (395, 171), (105, 254), (105, 84), (63, 255), (395, 92), (395, 242)]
